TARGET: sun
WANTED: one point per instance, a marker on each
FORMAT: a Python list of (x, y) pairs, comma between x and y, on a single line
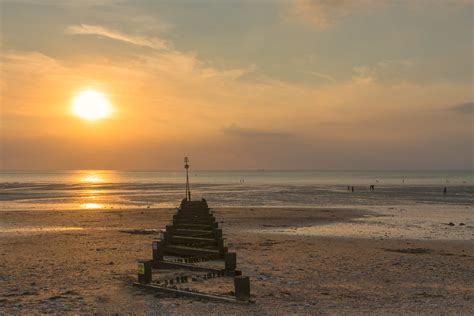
[(91, 105)]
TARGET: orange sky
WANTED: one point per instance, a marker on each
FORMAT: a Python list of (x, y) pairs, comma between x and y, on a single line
[(292, 103)]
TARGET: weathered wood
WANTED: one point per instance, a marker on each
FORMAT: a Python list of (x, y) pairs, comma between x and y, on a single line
[(217, 233), (193, 240), (144, 271), (188, 251), (195, 226), (157, 248), (211, 297), (230, 259), (222, 245), (194, 233), (176, 265), (193, 220), (242, 288)]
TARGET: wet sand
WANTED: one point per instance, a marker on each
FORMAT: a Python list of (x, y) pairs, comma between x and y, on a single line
[(85, 262)]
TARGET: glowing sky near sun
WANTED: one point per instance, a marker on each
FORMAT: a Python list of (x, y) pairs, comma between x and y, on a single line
[(236, 84)]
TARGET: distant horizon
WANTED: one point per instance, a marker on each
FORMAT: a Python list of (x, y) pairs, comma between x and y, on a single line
[(238, 170)]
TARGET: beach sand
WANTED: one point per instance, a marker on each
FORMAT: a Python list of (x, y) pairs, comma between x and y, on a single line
[(85, 262)]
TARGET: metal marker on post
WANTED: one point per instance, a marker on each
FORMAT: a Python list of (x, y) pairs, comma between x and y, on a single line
[(144, 271), (188, 190)]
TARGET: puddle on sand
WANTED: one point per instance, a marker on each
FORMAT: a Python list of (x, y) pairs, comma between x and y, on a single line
[(408, 222)]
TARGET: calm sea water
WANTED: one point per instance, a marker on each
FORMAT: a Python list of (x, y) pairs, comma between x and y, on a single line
[(117, 189)]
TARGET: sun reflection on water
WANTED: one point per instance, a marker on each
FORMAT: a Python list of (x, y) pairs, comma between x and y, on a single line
[(91, 206), (92, 178), (94, 185)]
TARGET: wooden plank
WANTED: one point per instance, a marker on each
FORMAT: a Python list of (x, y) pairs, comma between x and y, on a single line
[(211, 297), (195, 226), (194, 233), (188, 251), (193, 240), (184, 266), (193, 220)]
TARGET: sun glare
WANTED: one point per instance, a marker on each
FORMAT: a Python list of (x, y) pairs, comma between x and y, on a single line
[(91, 105), (92, 178), (91, 206)]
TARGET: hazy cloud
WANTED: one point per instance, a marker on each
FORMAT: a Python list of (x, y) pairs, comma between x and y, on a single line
[(321, 75), (467, 107), (323, 13), (86, 29), (234, 130), (389, 68), (71, 3)]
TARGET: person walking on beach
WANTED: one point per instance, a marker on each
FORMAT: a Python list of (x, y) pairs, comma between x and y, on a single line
[(445, 190), (352, 188)]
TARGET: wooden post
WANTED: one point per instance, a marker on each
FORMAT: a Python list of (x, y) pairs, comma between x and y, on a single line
[(222, 243), (230, 261), (242, 288), (157, 253), (166, 237), (218, 233), (144, 271)]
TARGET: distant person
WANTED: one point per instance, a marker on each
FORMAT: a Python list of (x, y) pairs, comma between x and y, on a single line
[(348, 188), (445, 190), (352, 188)]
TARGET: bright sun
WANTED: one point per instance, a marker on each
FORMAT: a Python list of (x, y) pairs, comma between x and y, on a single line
[(91, 105)]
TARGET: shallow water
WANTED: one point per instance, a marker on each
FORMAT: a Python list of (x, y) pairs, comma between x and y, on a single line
[(77, 190), (411, 221), (406, 205)]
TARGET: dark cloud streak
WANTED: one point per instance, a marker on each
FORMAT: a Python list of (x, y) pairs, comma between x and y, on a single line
[(466, 108)]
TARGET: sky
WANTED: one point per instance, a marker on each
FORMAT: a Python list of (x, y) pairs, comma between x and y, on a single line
[(303, 84)]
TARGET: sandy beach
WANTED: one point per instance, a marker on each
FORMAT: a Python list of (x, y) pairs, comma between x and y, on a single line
[(84, 262)]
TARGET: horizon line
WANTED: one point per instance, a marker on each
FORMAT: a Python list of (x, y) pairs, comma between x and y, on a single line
[(230, 170)]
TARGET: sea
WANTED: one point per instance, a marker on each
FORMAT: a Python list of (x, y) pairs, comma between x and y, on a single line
[(108, 189)]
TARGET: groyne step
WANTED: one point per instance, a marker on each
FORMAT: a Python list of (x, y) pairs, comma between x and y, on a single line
[(193, 233), (207, 218), (208, 227), (188, 251), (193, 240)]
